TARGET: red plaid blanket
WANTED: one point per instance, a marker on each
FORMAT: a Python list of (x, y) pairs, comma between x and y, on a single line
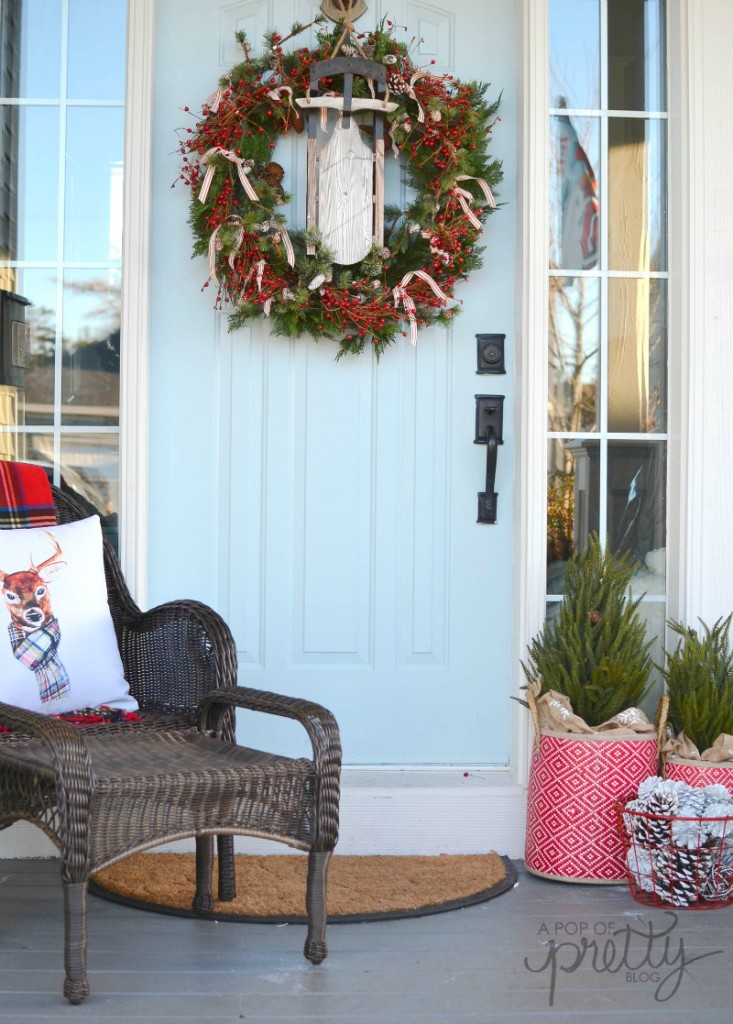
[(25, 496)]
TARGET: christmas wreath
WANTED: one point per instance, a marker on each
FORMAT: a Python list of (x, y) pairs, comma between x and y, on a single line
[(259, 266)]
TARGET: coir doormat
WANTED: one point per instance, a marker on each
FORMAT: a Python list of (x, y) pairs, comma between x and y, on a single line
[(272, 889)]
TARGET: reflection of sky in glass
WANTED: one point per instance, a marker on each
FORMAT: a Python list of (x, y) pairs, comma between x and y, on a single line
[(94, 143), (575, 54), (96, 70), (40, 58), (37, 202)]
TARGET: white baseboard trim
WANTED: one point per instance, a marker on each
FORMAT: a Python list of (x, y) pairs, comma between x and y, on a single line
[(397, 812)]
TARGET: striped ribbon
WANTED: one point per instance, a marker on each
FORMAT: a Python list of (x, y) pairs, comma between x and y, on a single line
[(401, 296), (214, 101), (465, 198), (280, 234), (276, 94), (484, 188), (238, 161), (445, 257)]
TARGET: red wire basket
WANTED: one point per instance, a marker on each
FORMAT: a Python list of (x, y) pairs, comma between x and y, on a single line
[(672, 861)]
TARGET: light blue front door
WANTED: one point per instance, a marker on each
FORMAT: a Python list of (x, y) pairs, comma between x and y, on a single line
[(327, 509)]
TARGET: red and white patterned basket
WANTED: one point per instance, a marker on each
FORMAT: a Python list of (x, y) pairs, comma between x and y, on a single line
[(575, 782), (699, 773)]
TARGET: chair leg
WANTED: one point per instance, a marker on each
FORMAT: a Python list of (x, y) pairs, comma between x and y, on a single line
[(227, 877), (315, 902), (203, 901), (76, 986)]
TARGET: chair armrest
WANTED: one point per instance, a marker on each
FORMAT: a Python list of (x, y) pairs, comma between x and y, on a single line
[(72, 775), (175, 654), (323, 732)]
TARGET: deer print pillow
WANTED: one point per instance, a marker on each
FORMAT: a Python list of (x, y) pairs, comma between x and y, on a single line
[(58, 650)]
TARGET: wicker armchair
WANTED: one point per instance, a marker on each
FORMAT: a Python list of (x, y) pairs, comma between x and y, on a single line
[(102, 792)]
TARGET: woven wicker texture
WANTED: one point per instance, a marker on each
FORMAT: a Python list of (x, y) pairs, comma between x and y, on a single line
[(102, 792), (706, 773), (573, 786)]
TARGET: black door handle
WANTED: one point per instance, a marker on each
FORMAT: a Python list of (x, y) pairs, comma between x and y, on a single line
[(487, 499), (489, 430)]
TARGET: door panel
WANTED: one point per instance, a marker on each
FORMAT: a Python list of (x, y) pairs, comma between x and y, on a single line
[(338, 534)]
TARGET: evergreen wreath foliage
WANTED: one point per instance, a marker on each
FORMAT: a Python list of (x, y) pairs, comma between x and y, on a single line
[(596, 651), (446, 155), (699, 677)]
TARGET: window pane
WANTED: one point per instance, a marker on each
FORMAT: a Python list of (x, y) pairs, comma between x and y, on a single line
[(94, 143), (96, 72), (574, 207), (637, 480), (637, 355), (91, 364), (574, 354), (29, 183), (575, 54), (32, 375), (637, 207), (637, 66), (30, 50), (89, 466), (572, 502)]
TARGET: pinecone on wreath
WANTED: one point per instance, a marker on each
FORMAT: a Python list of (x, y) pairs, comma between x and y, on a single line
[(397, 82)]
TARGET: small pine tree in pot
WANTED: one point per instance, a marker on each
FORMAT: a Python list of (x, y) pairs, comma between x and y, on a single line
[(596, 651), (699, 678)]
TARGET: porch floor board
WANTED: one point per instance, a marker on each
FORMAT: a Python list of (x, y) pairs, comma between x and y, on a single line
[(469, 966)]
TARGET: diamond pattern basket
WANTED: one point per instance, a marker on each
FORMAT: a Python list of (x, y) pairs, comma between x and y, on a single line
[(574, 784)]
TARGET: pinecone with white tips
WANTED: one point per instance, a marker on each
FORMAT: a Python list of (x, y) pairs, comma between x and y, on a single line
[(680, 874), (397, 82), (652, 828)]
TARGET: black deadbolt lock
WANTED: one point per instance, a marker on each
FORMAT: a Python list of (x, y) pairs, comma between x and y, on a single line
[(490, 353)]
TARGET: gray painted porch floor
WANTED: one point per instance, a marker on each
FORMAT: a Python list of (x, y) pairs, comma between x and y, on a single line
[(469, 965)]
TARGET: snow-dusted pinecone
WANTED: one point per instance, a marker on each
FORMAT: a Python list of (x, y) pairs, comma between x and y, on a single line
[(653, 827), (716, 791), (679, 874), (639, 863), (690, 833), (648, 786), (722, 827)]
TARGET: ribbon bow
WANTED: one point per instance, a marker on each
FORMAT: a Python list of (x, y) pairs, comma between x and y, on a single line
[(465, 198), (276, 94), (238, 161), (408, 304)]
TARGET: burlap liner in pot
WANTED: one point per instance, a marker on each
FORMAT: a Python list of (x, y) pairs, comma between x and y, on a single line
[(553, 715), (681, 748)]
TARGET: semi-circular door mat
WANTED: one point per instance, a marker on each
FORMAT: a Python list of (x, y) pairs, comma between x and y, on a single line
[(272, 889)]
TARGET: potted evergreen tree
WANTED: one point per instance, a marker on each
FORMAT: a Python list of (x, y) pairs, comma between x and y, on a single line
[(587, 671), (699, 677)]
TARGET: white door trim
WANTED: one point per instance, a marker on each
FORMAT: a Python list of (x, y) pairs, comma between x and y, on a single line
[(531, 363), (701, 366), (134, 392)]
